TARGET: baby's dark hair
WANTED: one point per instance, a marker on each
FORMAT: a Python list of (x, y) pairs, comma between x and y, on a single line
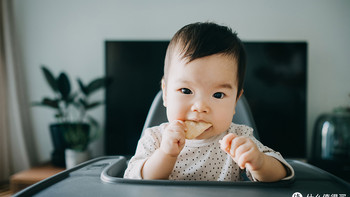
[(199, 40)]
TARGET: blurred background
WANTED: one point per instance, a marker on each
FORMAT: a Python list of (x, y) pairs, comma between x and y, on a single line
[(70, 35)]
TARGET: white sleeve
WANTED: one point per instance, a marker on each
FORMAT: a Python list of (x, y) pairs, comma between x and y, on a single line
[(243, 130), (145, 148), (268, 151), (287, 166)]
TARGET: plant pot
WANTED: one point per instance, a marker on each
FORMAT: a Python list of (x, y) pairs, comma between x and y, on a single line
[(58, 132), (74, 157)]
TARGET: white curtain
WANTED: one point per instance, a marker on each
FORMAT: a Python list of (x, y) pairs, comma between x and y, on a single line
[(4, 146), (17, 149)]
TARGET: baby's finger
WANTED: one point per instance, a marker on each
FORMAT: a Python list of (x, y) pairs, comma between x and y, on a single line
[(237, 142), (241, 150), (244, 159), (176, 134), (181, 123), (177, 126), (248, 166), (225, 143)]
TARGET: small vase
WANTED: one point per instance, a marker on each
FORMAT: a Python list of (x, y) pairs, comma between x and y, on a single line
[(332, 137), (74, 157), (331, 144)]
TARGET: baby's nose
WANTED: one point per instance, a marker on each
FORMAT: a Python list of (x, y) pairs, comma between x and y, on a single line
[(200, 106)]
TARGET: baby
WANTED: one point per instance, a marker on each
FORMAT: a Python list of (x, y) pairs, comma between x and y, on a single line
[(203, 80)]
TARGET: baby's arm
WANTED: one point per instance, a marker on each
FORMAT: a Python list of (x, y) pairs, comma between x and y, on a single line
[(247, 155), (162, 161)]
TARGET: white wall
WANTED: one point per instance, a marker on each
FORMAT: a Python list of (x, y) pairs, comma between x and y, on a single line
[(69, 35)]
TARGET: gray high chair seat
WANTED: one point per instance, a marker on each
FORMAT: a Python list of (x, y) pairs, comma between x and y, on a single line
[(157, 114), (103, 176)]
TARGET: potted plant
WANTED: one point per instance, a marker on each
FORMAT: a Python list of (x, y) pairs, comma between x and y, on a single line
[(74, 129)]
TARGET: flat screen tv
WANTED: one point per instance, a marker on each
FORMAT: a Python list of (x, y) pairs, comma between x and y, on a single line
[(275, 87)]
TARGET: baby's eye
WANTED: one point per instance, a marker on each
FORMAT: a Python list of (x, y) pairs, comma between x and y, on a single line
[(186, 91), (218, 95)]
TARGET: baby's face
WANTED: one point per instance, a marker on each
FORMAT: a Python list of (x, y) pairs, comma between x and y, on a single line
[(203, 90)]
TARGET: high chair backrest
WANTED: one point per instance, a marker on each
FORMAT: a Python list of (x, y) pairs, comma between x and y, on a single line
[(157, 114)]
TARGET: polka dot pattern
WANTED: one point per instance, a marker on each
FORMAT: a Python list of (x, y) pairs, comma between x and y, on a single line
[(201, 160)]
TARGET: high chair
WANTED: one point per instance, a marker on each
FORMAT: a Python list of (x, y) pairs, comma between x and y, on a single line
[(104, 176)]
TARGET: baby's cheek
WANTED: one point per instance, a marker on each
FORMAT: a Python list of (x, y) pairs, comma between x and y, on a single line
[(175, 113), (223, 125), (224, 119), (177, 109)]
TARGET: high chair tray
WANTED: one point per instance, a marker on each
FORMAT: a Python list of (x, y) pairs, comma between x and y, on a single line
[(103, 177)]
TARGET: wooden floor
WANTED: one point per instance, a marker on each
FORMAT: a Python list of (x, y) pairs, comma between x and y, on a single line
[(5, 190)]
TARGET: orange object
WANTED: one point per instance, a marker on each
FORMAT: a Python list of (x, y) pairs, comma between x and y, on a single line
[(28, 177)]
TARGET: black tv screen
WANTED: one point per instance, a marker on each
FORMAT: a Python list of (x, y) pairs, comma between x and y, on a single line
[(275, 87)]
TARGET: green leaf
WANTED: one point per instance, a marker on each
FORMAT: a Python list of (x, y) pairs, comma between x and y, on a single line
[(83, 102), (72, 97), (47, 102), (95, 85), (95, 128), (50, 102), (77, 104), (58, 115), (82, 87), (50, 78), (93, 105), (64, 86)]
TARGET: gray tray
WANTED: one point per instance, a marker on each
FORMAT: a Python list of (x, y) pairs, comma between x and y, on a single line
[(103, 177)]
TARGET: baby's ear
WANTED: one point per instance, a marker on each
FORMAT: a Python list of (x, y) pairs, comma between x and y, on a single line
[(164, 93)]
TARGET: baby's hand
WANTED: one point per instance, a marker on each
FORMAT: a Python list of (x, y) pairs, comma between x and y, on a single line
[(243, 151), (173, 139)]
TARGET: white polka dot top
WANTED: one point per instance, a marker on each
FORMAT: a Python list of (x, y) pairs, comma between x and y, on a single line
[(201, 160)]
